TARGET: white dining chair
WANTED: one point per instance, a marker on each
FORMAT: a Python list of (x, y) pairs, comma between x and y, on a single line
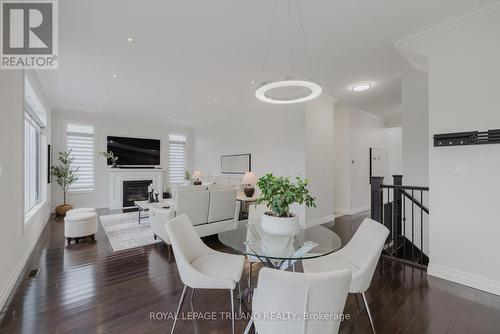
[(255, 211), (360, 256), (199, 266), (299, 295)]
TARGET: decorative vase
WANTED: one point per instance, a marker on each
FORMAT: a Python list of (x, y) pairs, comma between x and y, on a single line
[(279, 225), (62, 209), (249, 191)]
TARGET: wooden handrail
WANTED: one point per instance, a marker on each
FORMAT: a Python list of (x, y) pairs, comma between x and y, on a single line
[(414, 200)]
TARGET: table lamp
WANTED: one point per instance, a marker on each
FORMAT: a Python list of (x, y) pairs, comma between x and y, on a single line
[(197, 176), (249, 180)]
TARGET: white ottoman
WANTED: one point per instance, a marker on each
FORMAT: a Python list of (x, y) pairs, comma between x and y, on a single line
[(79, 225), (79, 210)]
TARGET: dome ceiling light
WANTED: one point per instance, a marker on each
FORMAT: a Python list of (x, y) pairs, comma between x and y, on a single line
[(291, 88), (361, 86)]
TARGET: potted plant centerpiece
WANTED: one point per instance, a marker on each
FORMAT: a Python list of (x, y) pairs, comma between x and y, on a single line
[(279, 192), (65, 177)]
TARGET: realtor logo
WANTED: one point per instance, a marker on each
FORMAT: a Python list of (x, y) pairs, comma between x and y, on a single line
[(29, 34)]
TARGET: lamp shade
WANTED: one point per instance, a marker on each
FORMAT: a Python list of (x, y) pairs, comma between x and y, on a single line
[(197, 175), (249, 178)]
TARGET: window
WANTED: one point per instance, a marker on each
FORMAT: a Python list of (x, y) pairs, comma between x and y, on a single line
[(80, 141), (177, 148), (31, 163)]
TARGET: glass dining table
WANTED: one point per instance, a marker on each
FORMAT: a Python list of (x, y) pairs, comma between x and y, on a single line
[(276, 251)]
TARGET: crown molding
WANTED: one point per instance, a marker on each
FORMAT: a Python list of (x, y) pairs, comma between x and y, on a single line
[(405, 43), (447, 25)]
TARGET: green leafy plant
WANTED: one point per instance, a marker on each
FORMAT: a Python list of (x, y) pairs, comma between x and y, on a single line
[(64, 174), (110, 156), (187, 175), (278, 192)]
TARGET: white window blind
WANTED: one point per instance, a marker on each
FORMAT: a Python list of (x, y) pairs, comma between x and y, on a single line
[(32, 168), (80, 139), (177, 148)]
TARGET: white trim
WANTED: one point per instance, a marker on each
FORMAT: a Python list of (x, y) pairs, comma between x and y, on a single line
[(464, 278), (404, 44), (447, 25), (341, 212), (359, 210), (320, 221), (15, 275)]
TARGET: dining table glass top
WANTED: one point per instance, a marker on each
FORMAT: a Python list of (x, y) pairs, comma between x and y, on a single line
[(249, 239)]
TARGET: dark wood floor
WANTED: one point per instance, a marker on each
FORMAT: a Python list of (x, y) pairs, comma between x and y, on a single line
[(88, 288)]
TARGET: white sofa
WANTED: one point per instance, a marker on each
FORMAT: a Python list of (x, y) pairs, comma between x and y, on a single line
[(211, 209)]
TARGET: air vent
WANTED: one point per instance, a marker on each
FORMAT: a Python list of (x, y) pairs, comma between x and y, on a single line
[(33, 274)]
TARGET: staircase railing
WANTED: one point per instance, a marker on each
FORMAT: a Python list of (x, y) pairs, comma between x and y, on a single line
[(401, 209)]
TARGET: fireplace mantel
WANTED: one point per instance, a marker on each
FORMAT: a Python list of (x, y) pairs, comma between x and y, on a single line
[(118, 175)]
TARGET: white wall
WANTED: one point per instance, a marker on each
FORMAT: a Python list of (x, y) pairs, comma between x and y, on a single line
[(356, 132), (342, 168), (415, 120), (319, 141), (273, 135), (17, 239), (464, 225), (106, 126)]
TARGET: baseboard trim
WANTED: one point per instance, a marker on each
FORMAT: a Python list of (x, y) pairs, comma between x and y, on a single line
[(16, 274), (320, 221), (464, 278), (359, 210)]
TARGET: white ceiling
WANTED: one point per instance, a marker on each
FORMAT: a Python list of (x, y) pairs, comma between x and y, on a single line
[(188, 53)]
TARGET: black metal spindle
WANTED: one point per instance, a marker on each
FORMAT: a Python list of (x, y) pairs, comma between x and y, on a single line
[(394, 236), (404, 227), (421, 229), (412, 227)]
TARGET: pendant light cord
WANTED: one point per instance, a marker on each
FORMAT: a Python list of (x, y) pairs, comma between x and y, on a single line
[(308, 59), (290, 35), (271, 28)]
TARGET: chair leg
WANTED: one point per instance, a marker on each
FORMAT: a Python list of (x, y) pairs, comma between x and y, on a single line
[(250, 274), (249, 326), (232, 311), (192, 295), (357, 301), (368, 311), (183, 295)]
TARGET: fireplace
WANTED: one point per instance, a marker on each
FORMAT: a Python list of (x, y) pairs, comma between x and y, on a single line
[(135, 191)]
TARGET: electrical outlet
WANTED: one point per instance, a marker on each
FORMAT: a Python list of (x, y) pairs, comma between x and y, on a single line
[(461, 170)]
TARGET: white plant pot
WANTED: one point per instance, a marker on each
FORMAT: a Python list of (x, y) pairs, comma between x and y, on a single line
[(280, 225)]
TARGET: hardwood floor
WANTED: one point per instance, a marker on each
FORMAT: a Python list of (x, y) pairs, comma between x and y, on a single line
[(88, 288)]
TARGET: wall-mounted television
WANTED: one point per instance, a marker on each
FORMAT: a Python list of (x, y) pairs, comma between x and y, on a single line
[(135, 151)]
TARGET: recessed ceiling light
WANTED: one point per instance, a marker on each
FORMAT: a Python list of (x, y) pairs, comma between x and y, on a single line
[(106, 96), (114, 75), (130, 39), (361, 86), (216, 100), (252, 82)]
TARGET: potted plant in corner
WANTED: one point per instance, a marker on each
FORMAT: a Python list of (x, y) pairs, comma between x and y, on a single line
[(278, 192), (65, 177)]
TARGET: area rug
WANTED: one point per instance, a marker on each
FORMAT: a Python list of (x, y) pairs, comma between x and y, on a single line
[(124, 232)]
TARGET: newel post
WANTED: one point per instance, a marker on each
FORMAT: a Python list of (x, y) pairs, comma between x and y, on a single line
[(376, 183), (398, 204)]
